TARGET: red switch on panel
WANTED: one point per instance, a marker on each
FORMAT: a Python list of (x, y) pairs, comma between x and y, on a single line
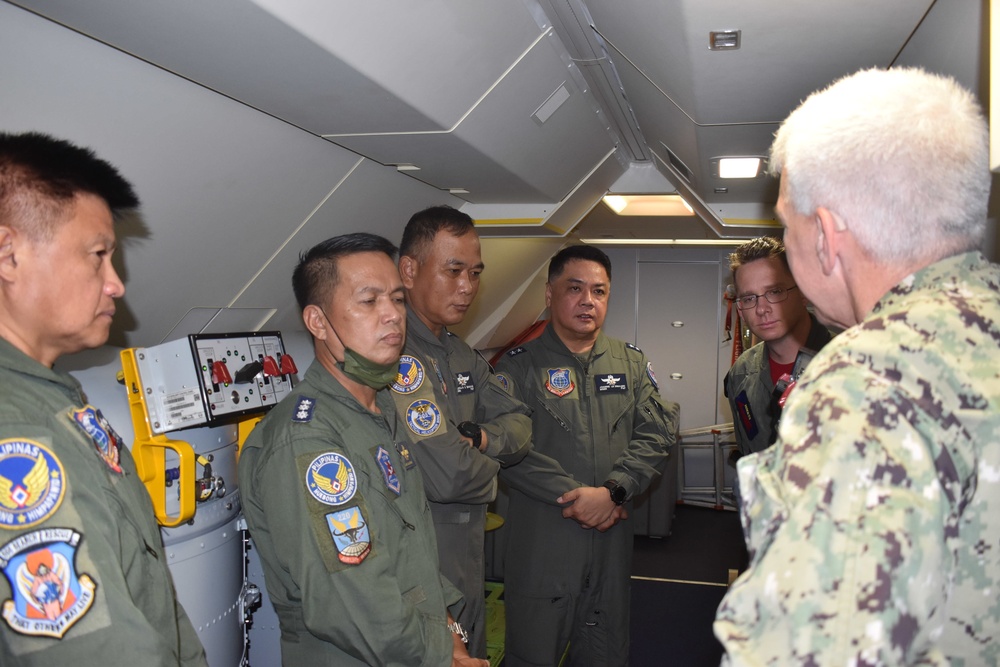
[(220, 373), (271, 367), (288, 365)]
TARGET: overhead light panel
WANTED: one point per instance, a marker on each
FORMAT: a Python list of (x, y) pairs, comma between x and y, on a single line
[(658, 205), (666, 242), (736, 167)]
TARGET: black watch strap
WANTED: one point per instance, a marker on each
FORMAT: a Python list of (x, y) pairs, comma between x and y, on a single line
[(617, 491)]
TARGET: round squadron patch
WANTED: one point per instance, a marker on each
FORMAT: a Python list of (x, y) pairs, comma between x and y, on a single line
[(504, 382), (32, 483), (423, 417), (331, 479), (48, 594), (410, 375)]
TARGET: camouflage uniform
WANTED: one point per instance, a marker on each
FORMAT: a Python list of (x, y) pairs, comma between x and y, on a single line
[(874, 522)]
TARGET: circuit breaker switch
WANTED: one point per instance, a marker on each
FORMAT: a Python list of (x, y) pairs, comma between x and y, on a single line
[(288, 366), (271, 367), (220, 373)]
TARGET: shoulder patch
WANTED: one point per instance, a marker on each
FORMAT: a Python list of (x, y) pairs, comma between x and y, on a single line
[(423, 417), (349, 529), (652, 376), (32, 483), (633, 347), (330, 479), (516, 351), (384, 462), (92, 422), (504, 382), (48, 595), (304, 409), (410, 375)]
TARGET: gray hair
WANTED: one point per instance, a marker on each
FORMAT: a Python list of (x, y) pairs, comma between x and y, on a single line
[(901, 155)]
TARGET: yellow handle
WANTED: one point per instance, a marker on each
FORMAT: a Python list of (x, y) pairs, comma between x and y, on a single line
[(149, 452)]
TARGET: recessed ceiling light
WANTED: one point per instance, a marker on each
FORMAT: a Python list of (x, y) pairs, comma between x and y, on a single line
[(736, 167), (661, 205)]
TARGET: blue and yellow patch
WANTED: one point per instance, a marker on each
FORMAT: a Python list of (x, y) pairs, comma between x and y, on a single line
[(560, 381), (504, 382), (423, 417), (331, 479), (410, 375), (97, 428), (32, 483), (48, 595), (349, 530)]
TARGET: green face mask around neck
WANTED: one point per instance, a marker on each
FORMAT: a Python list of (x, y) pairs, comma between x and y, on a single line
[(367, 372)]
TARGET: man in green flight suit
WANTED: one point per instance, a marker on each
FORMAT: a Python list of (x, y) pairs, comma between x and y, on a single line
[(873, 523), (86, 579), (463, 423), (332, 496), (599, 418)]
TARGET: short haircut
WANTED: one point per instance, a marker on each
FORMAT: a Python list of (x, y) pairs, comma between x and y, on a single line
[(315, 276), (40, 177), (558, 262), (901, 155), (762, 247), (424, 225)]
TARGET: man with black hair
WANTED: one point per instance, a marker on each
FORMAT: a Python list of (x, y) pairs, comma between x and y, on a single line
[(86, 579), (599, 420), (463, 423), (332, 496)]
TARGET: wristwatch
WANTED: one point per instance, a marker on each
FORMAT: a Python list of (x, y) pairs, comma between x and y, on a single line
[(618, 492), (457, 629), (472, 431)]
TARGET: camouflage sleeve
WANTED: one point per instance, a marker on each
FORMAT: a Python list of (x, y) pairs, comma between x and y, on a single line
[(847, 518)]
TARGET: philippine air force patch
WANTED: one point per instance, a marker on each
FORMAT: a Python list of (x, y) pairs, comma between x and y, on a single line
[(410, 375), (331, 479), (48, 596), (32, 483), (423, 417)]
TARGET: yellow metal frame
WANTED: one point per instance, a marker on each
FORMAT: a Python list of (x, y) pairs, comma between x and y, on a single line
[(149, 452)]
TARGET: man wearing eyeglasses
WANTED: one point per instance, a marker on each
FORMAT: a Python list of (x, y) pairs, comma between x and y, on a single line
[(775, 311)]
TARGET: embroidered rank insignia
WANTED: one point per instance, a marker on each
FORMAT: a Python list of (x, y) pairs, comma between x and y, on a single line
[(612, 383), (350, 535), (388, 471), (464, 383), (746, 415), (99, 430), (632, 347), (404, 454), (49, 597), (560, 381), (516, 351), (423, 417), (331, 479), (504, 382), (304, 410), (32, 483), (652, 378), (410, 375)]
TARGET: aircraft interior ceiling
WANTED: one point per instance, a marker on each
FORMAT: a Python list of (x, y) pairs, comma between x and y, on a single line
[(255, 128)]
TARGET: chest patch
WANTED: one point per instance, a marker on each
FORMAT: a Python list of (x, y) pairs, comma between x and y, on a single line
[(746, 415), (92, 422), (560, 381), (351, 537), (48, 595), (464, 383), (611, 383), (331, 479), (423, 417), (388, 471), (410, 375), (32, 483)]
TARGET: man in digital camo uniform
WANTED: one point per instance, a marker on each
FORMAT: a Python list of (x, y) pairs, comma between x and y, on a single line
[(444, 387), (332, 497), (873, 523), (598, 416), (85, 574)]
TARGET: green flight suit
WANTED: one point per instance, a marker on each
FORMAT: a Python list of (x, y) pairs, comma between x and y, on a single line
[(86, 574), (442, 382), (336, 508), (599, 418)]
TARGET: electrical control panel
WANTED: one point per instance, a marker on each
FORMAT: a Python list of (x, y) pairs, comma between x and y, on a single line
[(206, 379)]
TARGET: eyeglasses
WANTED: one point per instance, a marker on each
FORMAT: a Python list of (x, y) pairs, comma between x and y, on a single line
[(776, 295)]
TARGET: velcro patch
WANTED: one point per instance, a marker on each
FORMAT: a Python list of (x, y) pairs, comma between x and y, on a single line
[(516, 351), (746, 415), (410, 375), (97, 428), (464, 383), (304, 409), (384, 462), (330, 479), (349, 529), (611, 383), (49, 596), (32, 483), (560, 381), (423, 417)]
